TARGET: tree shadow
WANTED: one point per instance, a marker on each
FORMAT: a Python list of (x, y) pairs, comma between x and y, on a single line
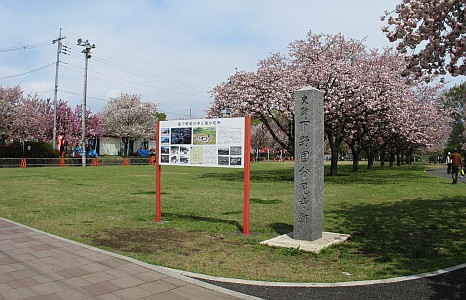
[(204, 219), (345, 175), (265, 202), (408, 236), (451, 285), (285, 175)]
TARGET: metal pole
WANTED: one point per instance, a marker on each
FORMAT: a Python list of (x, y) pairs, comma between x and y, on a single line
[(87, 55), (83, 137), (56, 91)]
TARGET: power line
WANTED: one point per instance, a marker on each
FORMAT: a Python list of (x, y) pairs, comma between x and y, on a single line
[(149, 61), (16, 75), (135, 82), (147, 75), (104, 100), (26, 47), (77, 94)]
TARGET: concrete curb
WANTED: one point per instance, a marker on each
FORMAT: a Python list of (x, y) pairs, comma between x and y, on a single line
[(324, 284)]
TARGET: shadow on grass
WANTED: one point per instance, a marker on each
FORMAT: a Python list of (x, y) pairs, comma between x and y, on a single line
[(265, 202), (285, 175), (387, 175), (407, 236), (204, 219)]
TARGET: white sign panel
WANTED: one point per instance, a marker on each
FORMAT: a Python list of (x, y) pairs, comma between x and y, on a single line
[(202, 142)]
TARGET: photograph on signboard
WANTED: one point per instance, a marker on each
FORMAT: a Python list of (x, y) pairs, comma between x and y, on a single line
[(165, 140), (181, 136), (235, 150), (223, 160), (184, 155), (204, 136), (223, 150), (235, 160), (165, 131), (174, 154), (184, 160), (174, 150), (165, 150), (184, 150), (165, 159)]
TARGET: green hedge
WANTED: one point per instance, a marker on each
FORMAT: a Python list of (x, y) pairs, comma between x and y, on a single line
[(29, 149)]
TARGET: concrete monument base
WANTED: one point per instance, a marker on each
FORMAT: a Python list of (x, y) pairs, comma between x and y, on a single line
[(327, 239)]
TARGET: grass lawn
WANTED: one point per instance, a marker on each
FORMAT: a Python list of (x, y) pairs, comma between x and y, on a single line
[(401, 220)]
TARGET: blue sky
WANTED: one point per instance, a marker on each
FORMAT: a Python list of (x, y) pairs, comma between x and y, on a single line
[(169, 52)]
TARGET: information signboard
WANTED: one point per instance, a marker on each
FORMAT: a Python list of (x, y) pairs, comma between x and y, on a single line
[(202, 142)]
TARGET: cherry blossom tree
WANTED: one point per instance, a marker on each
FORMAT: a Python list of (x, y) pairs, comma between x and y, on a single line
[(431, 33), (127, 117), (362, 90), (32, 119), (69, 124), (454, 102), (356, 83), (265, 95), (9, 99), (261, 138)]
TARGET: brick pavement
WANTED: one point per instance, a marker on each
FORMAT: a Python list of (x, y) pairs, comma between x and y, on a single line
[(35, 265)]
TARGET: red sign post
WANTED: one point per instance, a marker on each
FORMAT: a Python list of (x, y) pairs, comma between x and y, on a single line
[(247, 172), (158, 179)]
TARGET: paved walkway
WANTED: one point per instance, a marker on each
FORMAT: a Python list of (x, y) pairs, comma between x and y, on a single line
[(35, 265)]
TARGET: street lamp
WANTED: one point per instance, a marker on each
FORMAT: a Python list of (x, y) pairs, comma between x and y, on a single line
[(87, 54)]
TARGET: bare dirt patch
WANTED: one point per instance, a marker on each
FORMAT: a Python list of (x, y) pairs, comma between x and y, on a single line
[(146, 240)]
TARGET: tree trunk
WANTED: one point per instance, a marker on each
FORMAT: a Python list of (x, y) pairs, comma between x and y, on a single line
[(355, 152), (382, 159), (333, 162), (392, 158), (370, 160), (334, 155)]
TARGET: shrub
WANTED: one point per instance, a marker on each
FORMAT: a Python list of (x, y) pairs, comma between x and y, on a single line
[(29, 149)]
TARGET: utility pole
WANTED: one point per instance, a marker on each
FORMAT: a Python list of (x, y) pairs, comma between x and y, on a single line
[(59, 50), (87, 54)]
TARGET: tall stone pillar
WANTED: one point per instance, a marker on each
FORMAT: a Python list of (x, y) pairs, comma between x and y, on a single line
[(309, 164)]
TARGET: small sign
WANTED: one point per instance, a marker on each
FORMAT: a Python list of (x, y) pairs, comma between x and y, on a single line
[(202, 142)]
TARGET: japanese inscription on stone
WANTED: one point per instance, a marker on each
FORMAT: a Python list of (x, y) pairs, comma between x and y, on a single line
[(309, 164)]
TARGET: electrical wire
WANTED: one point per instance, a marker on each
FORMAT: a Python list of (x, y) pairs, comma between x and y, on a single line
[(135, 82), (100, 99), (146, 75), (16, 75), (26, 47), (149, 61)]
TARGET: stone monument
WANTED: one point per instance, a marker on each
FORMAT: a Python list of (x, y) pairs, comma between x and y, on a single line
[(309, 164), (308, 232)]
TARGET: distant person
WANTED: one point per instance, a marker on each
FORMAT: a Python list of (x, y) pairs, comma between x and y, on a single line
[(456, 164), (449, 163)]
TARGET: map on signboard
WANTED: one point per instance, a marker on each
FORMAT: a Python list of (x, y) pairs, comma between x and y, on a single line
[(202, 142)]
